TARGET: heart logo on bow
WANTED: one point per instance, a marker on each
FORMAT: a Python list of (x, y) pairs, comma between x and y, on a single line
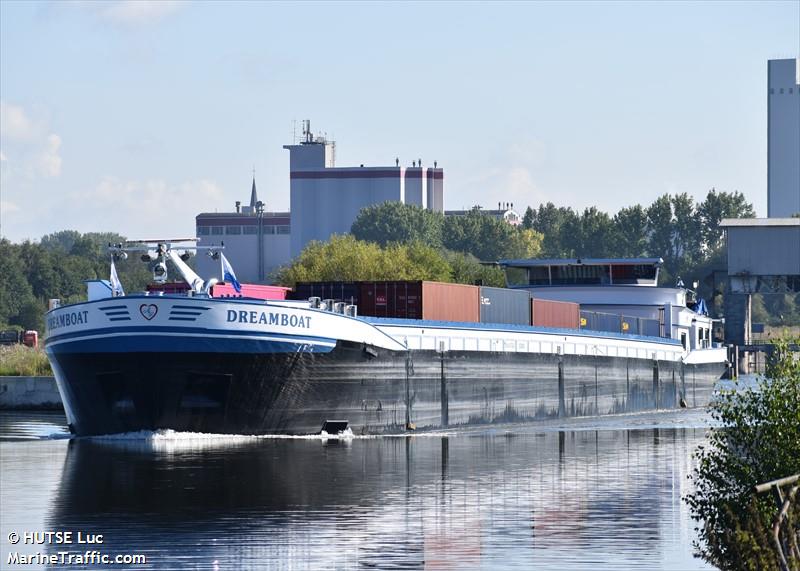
[(148, 311)]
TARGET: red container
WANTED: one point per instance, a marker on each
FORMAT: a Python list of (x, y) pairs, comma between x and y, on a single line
[(562, 314), (31, 339), (223, 289), (169, 287), (420, 300), (256, 291)]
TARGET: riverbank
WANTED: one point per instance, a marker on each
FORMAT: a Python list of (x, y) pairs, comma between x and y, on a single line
[(29, 393)]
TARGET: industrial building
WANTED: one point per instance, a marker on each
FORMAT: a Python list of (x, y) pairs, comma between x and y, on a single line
[(256, 241), (325, 199), (505, 211), (783, 138)]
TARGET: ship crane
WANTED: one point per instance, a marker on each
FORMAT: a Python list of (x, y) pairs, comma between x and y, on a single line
[(176, 251)]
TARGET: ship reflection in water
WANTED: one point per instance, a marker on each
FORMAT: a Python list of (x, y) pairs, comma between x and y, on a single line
[(526, 498)]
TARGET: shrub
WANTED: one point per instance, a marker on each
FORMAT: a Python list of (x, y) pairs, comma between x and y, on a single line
[(756, 440), (22, 361)]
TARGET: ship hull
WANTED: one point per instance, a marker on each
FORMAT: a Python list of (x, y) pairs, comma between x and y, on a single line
[(376, 390)]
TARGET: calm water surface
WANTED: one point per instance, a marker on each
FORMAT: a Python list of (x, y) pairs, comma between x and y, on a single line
[(591, 494)]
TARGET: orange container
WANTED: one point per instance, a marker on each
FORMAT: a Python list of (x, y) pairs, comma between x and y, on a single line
[(563, 314), (436, 301), (451, 302)]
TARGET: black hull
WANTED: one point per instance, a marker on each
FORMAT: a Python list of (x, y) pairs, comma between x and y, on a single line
[(295, 393)]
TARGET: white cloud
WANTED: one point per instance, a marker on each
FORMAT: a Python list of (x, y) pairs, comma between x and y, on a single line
[(142, 209), (36, 150), (15, 124), (49, 159), (131, 12), (7, 207)]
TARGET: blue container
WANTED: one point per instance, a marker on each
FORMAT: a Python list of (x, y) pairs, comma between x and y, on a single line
[(650, 327), (629, 325), (608, 322), (502, 305)]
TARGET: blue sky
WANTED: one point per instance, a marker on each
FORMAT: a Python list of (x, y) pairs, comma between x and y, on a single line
[(135, 116)]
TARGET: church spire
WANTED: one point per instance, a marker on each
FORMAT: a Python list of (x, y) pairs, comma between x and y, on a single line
[(253, 195)]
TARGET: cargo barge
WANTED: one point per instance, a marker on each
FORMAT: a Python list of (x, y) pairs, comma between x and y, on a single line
[(430, 355)]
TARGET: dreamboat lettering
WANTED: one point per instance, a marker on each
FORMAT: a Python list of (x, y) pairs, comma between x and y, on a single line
[(269, 318), (67, 319)]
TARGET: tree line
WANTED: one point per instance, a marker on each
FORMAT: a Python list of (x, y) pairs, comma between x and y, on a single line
[(398, 241), (683, 232), (55, 267)]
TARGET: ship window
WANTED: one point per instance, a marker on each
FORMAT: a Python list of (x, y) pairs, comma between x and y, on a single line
[(233, 229), (580, 275), (250, 230), (516, 276), (633, 274), (781, 90), (539, 275), (283, 229), (216, 230), (202, 230), (683, 340)]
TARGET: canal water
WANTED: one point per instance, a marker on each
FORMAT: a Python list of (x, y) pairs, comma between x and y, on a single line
[(590, 494)]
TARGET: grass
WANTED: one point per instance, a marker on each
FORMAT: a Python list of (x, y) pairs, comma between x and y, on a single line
[(22, 361)]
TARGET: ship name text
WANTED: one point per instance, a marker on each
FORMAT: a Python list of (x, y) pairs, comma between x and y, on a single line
[(269, 318), (67, 319)]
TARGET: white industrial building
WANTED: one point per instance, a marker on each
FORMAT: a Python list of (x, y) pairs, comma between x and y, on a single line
[(505, 212), (256, 242), (325, 199), (783, 138)]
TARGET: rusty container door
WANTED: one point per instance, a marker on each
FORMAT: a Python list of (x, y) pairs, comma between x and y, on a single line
[(562, 314), (451, 302)]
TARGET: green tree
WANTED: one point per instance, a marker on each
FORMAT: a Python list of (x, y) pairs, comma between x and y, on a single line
[(631, 227), (489, 238), (592, 235), (554, 224), (467, 269), (715, 207), (756, 440), (398, 222), (528, 218), (344, 258), (660, 229), (686, 233), (60, 241), (15, 291)]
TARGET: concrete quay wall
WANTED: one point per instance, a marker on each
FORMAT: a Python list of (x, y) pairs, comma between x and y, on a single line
[(29, 393)]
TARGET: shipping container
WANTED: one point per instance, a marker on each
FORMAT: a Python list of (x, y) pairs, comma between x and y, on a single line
[(257, 291), (650, 327), (420, 300), (168, 288), (563, 314), (223, 289), (503, 305), (346, 292), (630, 325), (614, 323)]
